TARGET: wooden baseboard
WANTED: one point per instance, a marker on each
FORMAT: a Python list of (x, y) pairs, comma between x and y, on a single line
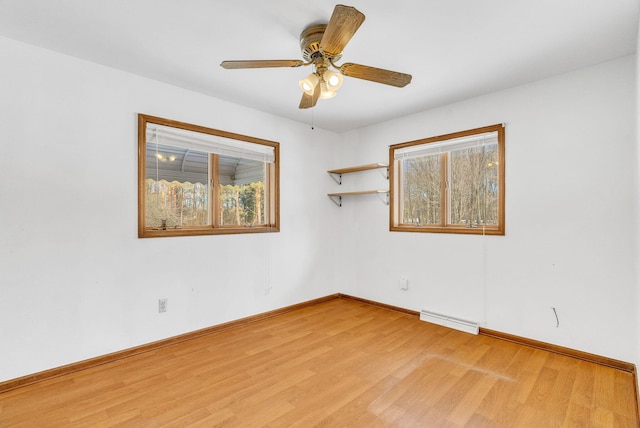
[(585, 356), (119, 355), (379, 305)]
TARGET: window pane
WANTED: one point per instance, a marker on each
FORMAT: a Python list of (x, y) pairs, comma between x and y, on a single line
[(242, 192), (176, 190), (421, 190), (474, 186)]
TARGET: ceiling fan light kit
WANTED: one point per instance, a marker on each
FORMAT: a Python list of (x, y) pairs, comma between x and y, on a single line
[(330, 82), (321, 47)]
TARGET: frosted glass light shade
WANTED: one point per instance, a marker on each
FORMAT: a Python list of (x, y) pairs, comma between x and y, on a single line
[(325, 91), (333, 80), (309, 83)]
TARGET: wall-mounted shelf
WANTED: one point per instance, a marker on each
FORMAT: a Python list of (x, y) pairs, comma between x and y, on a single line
[(337, 197), (336, 174)]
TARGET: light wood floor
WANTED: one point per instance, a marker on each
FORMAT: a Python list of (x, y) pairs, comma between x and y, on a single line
[(336, 364)]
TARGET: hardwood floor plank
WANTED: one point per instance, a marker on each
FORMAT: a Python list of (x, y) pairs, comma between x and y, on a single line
[(467, 406), (530, 373), (500, 405), (577, 416), (339, 363), (360, 410)]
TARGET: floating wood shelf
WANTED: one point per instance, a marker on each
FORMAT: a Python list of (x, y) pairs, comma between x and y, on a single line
[(336, 174), (337, 197), (361, 192), (358, 168)]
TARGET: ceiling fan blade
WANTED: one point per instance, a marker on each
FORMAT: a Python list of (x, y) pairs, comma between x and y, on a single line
[(305, 102), (267, 63), (309, 101), (343, 24), (377, 75)]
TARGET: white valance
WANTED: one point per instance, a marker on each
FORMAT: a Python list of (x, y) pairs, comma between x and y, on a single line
[(426, 149), (207, 143)]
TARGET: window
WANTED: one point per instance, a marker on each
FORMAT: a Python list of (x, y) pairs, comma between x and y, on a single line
[(452, 183), (199, 181)]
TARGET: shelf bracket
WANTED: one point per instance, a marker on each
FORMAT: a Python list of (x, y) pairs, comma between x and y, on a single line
[(337, 178), (385, 174), (337, 199), (385, 198)]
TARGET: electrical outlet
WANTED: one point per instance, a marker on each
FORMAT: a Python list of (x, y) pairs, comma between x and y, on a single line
[(162, 305)]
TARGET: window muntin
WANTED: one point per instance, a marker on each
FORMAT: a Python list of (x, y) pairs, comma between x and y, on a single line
[(453, 183), (196, 181)]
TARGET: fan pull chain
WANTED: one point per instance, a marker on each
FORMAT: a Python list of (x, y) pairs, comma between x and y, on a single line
[(312, 122)]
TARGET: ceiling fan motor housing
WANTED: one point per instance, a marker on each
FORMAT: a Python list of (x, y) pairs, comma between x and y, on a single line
[(310, 43)]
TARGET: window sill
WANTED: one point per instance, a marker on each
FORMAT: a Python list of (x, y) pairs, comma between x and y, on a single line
[(159, 233), (449, 229)]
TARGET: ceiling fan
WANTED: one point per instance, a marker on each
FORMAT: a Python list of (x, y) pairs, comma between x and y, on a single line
[(322, 46)]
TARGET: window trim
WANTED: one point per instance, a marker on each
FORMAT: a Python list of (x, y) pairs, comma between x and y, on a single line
[(395, 191), (272, 182)]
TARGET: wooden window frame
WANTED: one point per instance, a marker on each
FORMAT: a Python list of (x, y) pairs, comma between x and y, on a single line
[(272, 186), (396, 198)]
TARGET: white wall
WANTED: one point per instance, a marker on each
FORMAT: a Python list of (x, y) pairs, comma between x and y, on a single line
[(570, 219), (76, 282)]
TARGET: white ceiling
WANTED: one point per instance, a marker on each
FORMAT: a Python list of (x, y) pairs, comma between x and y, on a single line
[(455, 49)]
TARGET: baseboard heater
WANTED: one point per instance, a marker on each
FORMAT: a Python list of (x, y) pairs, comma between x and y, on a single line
[(449, 321)]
